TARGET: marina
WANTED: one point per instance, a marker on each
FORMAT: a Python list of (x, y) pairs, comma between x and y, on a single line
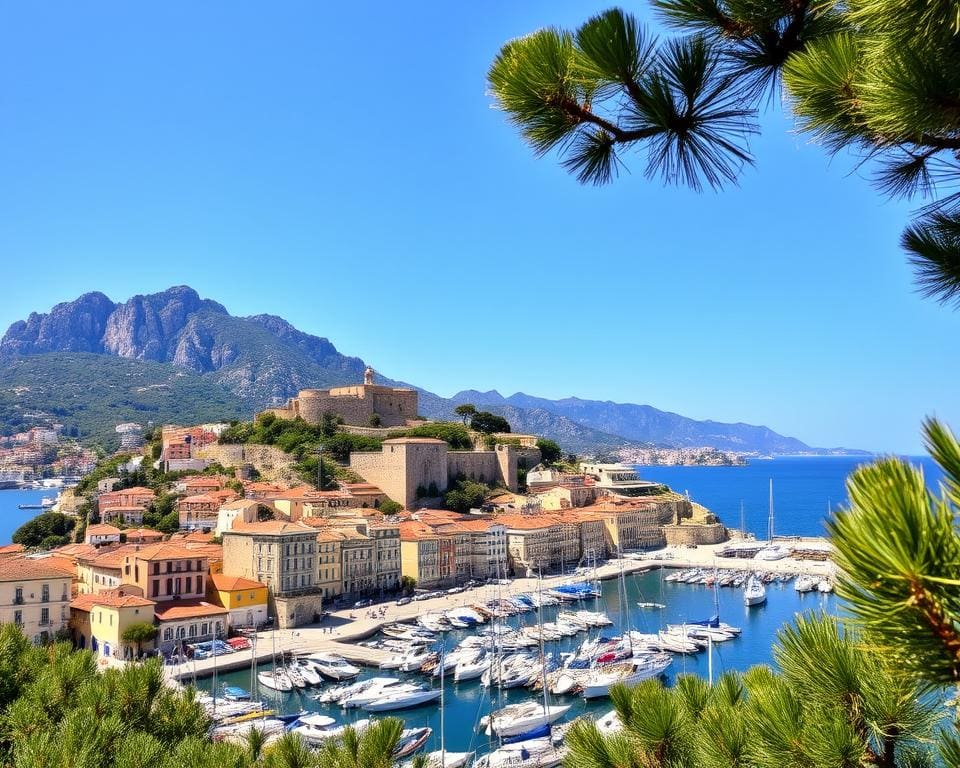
[(474, 707)]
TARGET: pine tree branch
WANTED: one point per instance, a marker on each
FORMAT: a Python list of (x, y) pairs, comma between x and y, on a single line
[(938, 142), (582, 114)]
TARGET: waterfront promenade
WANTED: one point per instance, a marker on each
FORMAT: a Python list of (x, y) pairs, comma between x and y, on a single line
[(339, 630)]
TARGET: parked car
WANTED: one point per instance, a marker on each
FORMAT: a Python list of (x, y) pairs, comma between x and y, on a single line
[(363, 603), (422, 596), (405, 601), (454, 590)]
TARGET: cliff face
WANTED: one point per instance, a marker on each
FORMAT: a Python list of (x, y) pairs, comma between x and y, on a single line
[(261, 358), (74, 326)]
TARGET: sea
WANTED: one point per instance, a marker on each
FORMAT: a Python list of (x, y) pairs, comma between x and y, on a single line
[(11, 516), (804, 489)]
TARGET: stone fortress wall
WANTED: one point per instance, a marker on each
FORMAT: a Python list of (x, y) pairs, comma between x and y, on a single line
[(359, 405)]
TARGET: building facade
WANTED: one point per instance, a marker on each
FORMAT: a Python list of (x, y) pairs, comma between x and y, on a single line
[(35, 597)]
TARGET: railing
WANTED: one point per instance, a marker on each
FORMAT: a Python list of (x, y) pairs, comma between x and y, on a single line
[(18, 600)]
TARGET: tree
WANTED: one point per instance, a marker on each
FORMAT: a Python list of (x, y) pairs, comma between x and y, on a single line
[(390, 507), (550, 451), (139, 633), (880, 78), (49, 529), (465, 412), (488, 423), (408, 584), (830, 704)]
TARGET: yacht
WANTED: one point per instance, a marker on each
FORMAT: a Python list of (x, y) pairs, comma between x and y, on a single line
[(307, 671), (598, 683), (403, 699), (805, 583), (447, 759), (535, 753), (333, 666), (316, 728), (276, 680), (754, 593), (825, 586), (524, 716), (411, 740)]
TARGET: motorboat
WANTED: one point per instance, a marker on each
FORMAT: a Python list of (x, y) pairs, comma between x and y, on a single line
[(332, 666), (307, 671), (234, 693), (522, 717), (276, 680), (447, 759), (599, 682), (535, 753), (403, 699), (825, 586), (316, 728), (292, 672), (470, 670), (411, 740), (754, 593), (805, 583), (386, 687)]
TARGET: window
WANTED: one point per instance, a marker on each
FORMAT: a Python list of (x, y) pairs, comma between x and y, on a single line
[(189, 587), (169, 586), (18, 618), (155, 588), (168, 633), (193, 630), (181, 633), (18, 596), (44, 616), (205, 628)]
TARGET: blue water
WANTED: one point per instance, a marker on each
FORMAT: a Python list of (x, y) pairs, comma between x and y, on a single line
[(466, 702), (11, 517), (803, 487)]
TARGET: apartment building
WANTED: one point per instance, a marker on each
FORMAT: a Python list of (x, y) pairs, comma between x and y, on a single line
[(35, 597)]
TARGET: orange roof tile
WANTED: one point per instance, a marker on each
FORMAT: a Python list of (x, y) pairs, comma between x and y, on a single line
[(11, 549), (174, 610), (231, 583), (86, 602), (25, 569), (102, 529), (164, 550)]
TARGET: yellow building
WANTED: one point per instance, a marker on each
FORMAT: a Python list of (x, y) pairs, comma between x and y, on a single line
[(34, 596), (98, 621), (245, 599)]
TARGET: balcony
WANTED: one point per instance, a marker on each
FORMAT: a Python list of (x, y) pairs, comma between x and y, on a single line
[(18, 600)]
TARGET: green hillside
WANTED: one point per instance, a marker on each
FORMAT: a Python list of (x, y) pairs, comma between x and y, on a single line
[(93, 393)]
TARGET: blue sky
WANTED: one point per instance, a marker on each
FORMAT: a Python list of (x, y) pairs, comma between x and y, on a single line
[(342, 167)]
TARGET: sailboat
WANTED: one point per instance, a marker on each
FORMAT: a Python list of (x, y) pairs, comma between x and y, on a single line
[(526, 716), (441, 758), (754, 593), (772, 551)]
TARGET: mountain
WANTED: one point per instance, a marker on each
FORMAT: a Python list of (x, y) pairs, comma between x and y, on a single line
[(643, 423), (93, 362)]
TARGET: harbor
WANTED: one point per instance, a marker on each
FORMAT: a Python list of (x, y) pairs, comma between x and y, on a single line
[(352, 634)]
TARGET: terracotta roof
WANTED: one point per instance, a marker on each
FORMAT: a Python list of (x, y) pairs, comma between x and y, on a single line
[(86, 602), (200, 498), (231, 583), (11, 549), (141, 533), (164, 550), (24, 569), (528, 522), (102, 529), (137, 489), (197, 537), (414, 530), (270, 528), (201, 482), (174, 610), (123, 508)]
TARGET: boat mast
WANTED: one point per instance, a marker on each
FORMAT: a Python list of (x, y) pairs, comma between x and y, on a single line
[(770, 517), (743, 524), (443, 743), (543, 658), (214, 685)]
